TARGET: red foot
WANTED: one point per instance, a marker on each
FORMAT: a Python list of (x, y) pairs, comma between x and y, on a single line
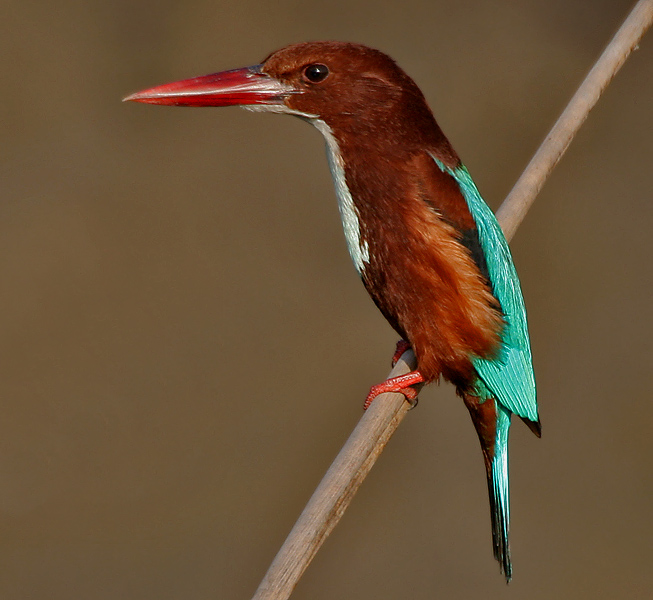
[(402, 346), (399, 384)]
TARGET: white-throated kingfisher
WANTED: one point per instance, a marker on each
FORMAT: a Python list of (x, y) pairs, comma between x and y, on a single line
[(428, 249)]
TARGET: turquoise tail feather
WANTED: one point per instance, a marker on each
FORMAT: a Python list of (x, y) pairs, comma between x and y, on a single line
[(492, 423), (497, 479)]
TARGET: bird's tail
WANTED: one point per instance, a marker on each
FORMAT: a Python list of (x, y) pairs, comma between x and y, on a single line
[(492, 423), (497, 482)]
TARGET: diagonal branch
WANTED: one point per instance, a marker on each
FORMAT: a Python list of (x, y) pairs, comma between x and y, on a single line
[(364, 446), (514, 208)]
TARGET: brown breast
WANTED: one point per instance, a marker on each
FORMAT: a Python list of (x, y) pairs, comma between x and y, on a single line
[(422, 278)]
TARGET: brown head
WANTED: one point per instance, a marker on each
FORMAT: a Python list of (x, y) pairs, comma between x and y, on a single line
[(349, 87)]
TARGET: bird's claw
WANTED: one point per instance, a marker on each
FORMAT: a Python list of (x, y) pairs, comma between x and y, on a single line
[(401, 385), (402, 346)]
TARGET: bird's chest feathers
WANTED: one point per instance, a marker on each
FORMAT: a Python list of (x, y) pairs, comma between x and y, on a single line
[(404, 235)]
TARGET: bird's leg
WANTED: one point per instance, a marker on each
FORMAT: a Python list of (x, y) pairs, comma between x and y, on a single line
[(402, 346), (401, 384)]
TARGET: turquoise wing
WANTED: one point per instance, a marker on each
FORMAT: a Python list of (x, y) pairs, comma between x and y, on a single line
[(510, 376)]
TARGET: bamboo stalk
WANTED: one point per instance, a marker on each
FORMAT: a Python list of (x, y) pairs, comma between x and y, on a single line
[(379, 422)]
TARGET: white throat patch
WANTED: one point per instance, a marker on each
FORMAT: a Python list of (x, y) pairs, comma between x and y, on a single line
[(358, 249)]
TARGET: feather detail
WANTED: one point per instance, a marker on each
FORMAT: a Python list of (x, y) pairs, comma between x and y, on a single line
[(500, 494), (438, 300), (492, 424), (510, 376)]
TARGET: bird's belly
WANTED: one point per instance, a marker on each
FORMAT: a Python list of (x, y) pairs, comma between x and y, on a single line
[(448, 318)]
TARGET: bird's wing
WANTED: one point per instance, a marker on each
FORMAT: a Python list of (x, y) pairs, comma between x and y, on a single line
[(510, 376)]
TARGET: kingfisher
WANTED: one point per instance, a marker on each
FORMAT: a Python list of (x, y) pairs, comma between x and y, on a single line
[(428, 249)]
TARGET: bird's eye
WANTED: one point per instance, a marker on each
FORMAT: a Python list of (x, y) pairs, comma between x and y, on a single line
[(316, 73)]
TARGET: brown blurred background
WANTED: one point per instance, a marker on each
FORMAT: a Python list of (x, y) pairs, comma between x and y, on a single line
[(186, 346)]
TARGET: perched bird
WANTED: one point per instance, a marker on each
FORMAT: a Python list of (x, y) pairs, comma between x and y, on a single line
[(426, 246)]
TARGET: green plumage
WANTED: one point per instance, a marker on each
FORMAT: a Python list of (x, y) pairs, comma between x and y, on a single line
[(499, 491), (509, 378)]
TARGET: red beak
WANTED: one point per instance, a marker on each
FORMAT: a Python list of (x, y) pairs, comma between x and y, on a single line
[(240, 86)]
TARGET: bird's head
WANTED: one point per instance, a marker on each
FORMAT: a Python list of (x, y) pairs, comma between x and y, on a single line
[(334, 82)]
